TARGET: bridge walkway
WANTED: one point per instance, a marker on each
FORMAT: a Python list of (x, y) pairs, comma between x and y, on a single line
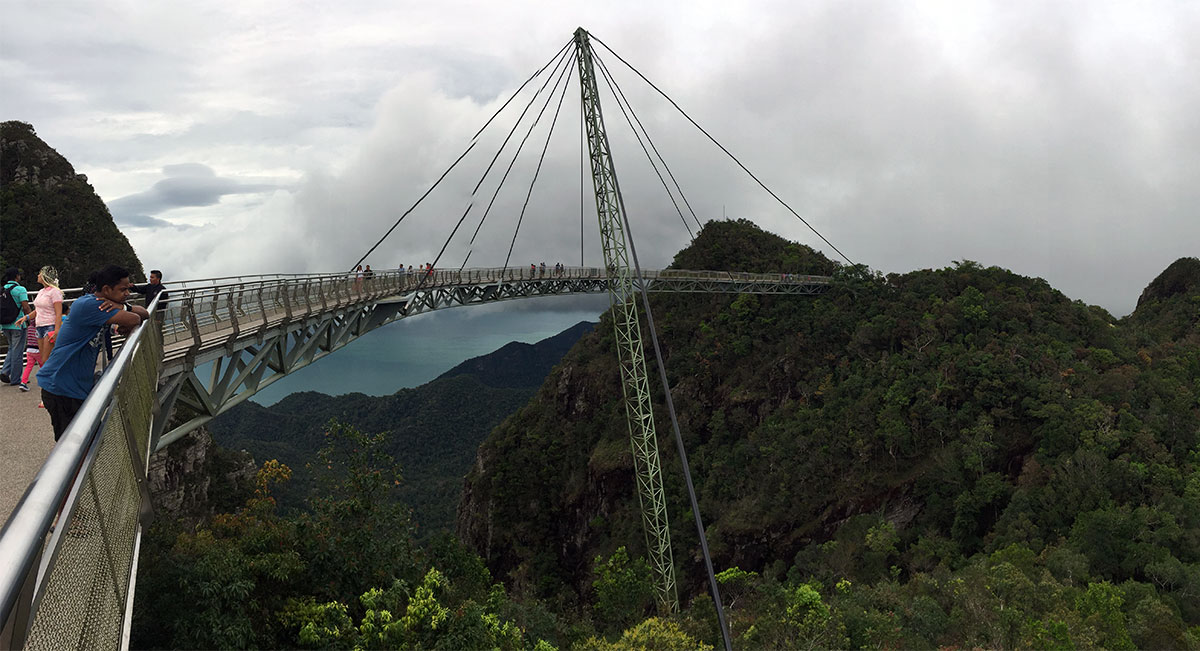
[(204, 323), (26, 439)]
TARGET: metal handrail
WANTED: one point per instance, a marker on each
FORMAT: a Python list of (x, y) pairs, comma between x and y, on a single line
[(274, 290), (24, 535), (514, 271)]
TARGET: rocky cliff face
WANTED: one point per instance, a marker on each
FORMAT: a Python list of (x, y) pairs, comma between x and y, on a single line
[(193, 478), (581, 490), (50, 215)]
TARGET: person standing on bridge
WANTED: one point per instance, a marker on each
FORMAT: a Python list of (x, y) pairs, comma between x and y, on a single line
[(152, 289), (68, 377), (14, 294), (48, 307)]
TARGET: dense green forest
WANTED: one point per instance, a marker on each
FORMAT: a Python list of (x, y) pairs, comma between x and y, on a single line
[(434, 430), (256, 578), (52, 216), (972, 456), (954, 457)]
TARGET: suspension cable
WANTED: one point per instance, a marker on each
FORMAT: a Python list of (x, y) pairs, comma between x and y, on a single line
[(538, 171), (609, 82), (612, 83), (474, 141), (565, 67), (516, 124), (563, 61), (679, 446), (722, 148)]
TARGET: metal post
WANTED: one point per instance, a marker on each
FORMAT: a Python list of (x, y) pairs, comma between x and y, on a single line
[(634, 382)]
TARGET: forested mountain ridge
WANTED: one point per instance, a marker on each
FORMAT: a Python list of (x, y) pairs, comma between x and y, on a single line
[(903, 432), (435, 428), (52, 216), (518, 364)]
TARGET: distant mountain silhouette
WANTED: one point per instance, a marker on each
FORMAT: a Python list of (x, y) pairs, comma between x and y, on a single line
[(518, 364)]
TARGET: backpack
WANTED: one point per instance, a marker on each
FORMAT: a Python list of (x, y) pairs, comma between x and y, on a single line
[(9, 310)]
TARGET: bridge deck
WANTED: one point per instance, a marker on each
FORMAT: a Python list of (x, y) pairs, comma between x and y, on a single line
[(204, 323), (26, 438)]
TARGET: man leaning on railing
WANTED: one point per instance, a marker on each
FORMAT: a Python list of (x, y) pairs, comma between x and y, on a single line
[(68, 376)]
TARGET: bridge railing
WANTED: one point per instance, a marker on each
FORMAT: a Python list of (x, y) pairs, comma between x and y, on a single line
[(197, 308), (67, 585), (245, 304)]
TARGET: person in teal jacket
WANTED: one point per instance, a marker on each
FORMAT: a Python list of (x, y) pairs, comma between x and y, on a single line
[(14, 361)]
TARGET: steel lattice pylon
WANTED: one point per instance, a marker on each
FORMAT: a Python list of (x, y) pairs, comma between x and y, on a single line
[(621, 292)]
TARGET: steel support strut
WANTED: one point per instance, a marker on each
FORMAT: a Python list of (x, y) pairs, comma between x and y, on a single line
[(634, 383)]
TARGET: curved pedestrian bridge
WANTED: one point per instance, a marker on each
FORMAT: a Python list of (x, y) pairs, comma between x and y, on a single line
[(248, 332)]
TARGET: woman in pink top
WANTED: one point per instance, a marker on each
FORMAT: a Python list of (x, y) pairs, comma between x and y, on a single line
[(48, 305)]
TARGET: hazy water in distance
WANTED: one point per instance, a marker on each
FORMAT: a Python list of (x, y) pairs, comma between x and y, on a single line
[(415, 350)]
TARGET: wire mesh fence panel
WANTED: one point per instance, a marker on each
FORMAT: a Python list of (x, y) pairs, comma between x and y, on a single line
[(83, 603), (83, 600)]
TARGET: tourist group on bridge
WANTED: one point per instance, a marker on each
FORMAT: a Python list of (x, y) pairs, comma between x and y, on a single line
[(75, 335)]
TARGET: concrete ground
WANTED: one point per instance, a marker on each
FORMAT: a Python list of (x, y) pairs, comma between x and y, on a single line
[(26, 439)]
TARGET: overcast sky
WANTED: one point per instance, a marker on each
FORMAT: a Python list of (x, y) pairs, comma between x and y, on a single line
[(1057, 139)]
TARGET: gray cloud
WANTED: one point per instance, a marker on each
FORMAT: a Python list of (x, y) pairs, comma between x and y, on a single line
[(186, 185), (145, 221), (189, 169), (1059, 140)]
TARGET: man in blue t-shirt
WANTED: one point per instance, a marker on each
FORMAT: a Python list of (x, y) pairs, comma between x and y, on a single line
[(68, 376), (14, 361)]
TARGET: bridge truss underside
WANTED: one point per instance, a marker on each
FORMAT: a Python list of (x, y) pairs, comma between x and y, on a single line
[(224, 344)]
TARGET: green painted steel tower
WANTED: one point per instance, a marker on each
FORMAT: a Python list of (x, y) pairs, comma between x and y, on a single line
[(610, 210)]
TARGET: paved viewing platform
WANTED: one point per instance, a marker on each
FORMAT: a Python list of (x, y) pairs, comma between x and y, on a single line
[(26, 439)]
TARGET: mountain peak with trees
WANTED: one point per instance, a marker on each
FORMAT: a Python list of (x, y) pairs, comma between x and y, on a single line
[(1182, 277), (896, 436), (50, 215)]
